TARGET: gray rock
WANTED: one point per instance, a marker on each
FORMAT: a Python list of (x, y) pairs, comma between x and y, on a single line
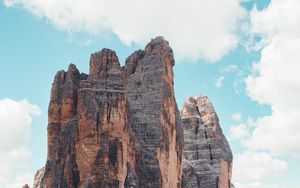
[(38, 178), (207, 157)]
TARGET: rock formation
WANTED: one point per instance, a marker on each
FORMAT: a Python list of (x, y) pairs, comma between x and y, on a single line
[(117, 126), (207, 157), (38, 177), (120, 127)]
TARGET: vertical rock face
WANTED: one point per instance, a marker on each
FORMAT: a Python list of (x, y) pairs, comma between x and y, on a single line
[(120, 127), (207, 157), (102, 134), (61, 167), (154, 120), (38, 177), (117, 126)]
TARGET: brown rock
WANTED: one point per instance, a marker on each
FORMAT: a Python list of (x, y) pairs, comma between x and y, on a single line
[(25, 186), (61, 168), (120, 127), (103, 139), (117, 126)]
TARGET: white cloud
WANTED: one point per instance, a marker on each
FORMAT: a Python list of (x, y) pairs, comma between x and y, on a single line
[(276, 82), (280, 18), (15, 126), (278, 133), (197, 29), (219, 82), (237, 132), (258, 185), (250, 122), (230, 68), (236, 116), (20, 181), (275, 78), (252, 167)]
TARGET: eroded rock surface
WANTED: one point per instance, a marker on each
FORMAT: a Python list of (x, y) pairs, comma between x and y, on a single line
[(117, 126), (207, 157), (38, 178)]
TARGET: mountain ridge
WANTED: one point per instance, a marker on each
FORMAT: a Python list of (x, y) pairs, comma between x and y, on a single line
[(120, 127)]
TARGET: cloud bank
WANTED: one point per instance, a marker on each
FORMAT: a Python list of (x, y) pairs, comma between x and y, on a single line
[(275, 78), (256, 166), (15, 126), (205, 29), (274, 81)]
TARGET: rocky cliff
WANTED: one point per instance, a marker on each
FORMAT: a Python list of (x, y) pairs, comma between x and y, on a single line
[(207, 157), (120, 127), (117, 126), (38, 177)]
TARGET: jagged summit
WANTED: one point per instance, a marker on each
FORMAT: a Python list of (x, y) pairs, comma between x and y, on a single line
[(103, 62), (197, 105), (207, 157), (120, 127), (116, 127), (157, 42)]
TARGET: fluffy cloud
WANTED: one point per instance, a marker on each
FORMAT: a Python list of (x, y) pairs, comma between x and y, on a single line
[(236, 116), (259, 185), (256, 166), (273, 81), (280, 18), (15, 121), (197, 29), (229, 68), (219, 82), (237, 132), (275, 78), (19, 181)]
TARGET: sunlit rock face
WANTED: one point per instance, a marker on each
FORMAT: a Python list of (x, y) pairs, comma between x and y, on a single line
[(119, 127), (207, 157), (116, 126)]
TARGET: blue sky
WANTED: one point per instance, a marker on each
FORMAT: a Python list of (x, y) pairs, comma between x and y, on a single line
[(34, 45)]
